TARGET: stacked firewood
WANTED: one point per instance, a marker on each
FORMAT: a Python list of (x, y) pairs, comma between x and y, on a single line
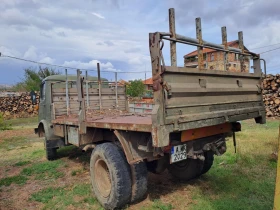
[(271, 95), (19, 106)]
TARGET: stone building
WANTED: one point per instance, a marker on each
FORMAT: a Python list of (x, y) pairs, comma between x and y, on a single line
[(213, 59), (148, 84)]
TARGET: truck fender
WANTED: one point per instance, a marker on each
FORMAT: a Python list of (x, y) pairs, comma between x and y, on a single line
[(129, 142), (45, 130)]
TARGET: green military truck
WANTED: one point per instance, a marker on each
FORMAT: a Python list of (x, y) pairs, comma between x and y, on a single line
[(194, 110)]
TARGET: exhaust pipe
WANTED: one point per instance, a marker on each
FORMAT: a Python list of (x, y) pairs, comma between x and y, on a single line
[(89, 146)]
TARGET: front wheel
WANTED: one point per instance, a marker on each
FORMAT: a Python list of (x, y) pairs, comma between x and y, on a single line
[(186, 169), (51, 153), (110, 176)]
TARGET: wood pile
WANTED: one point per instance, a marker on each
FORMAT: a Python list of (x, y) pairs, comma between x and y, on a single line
[(19, 106), (271, 95)]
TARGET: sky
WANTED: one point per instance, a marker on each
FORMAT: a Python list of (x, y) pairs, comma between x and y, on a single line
[(115, 32)]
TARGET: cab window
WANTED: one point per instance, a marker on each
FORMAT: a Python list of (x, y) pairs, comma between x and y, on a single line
[(42, 92)]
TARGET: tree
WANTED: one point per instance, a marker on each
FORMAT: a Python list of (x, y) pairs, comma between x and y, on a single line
[(136, 88), (32, 78)]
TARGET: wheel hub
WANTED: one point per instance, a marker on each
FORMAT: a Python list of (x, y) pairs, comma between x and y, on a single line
[(102, 178)]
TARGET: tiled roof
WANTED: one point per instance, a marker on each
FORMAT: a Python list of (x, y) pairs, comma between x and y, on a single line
[(207, 50), (148, 81)]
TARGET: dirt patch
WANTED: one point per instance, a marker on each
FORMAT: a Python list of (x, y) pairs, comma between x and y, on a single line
[(15, 133), (17, 197), (9, 171)]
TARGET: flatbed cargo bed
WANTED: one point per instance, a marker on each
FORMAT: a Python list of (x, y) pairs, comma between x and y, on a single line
[(129, 122)]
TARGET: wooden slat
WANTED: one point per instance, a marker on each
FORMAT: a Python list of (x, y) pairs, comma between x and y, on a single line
[(90, 91)]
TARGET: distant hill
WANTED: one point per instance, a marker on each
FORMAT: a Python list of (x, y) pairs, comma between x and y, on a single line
[(6, 87)]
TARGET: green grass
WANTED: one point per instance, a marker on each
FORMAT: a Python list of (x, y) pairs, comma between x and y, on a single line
[(47, 194), (245, 180), (20, 180), (3, 124), (44, 170), (78, 195), (161, 206), (22, 121), (16, 142), (22, 163), (76, 172), (18, 149)]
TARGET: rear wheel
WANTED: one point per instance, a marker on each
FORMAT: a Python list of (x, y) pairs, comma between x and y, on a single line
[(186, 169), (208, 162), (110, 176), (139, 175)]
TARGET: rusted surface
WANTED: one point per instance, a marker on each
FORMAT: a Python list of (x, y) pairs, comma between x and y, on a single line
[(172, 30), (58, 130), (125, 146), (81, 101), (224, 39), (132, 141), (197, 133), (99, 86), (66, 92), (124, 122), (199, 49), (241, 46), (73, 135), (157, 118), (102, 177)]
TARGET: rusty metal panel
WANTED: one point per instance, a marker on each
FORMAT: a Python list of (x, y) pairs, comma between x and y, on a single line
[(58, 130), (141, 123), (202, 95), (73, 135), (131, 142), (92, 135), (197, 133)]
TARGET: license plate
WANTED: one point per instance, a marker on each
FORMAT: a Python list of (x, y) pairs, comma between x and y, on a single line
[(178, 153)]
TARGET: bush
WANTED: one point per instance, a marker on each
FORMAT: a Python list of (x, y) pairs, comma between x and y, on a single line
[(3, 125), (136, 88)]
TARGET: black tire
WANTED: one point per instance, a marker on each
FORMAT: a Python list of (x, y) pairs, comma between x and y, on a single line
[(139, 176), (158, 166), (186, 169), (110, 176), (151, 166), (208, 162), (51, 153)]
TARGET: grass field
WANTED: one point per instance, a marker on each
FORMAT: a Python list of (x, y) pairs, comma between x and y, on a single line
[(245, 180)]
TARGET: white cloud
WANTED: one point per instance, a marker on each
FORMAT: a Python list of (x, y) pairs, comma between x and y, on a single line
[(47, 60), (10, 52), (31, 53), (91, 65), (98, 15)]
